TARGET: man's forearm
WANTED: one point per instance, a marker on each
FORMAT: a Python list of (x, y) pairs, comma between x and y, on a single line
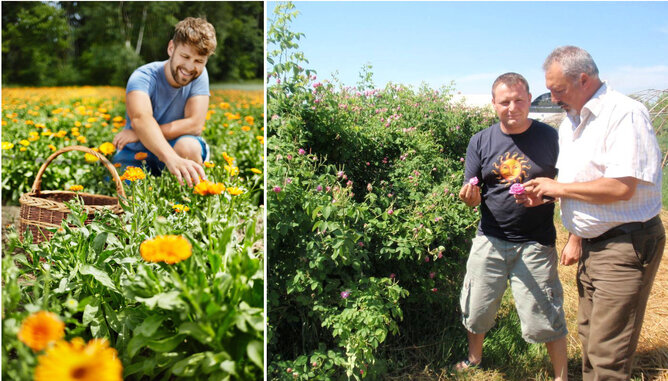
[(151, 136), (180, 127), (600, 191)]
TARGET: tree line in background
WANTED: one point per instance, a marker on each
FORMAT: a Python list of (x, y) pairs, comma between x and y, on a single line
[(101, 43)]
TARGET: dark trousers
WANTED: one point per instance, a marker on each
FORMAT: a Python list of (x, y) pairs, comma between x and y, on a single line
[(615, 276)]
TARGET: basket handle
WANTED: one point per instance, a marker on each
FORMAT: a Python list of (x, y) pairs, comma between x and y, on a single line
[(38, 179)]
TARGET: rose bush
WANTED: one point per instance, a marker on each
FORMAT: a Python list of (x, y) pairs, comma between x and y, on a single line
[(366, 235)]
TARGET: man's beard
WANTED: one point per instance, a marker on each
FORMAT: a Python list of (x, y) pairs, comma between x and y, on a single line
[(176, 75)]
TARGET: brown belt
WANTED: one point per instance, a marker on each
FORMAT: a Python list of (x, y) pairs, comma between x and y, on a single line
[(627, 228)]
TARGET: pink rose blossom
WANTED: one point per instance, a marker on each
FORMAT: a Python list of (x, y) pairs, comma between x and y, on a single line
[(345, 294), (277, 189), (392, 276), (390, 212), (473, 181), (302, 151), (516, 188)]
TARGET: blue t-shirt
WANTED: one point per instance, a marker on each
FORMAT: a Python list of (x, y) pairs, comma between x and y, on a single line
[(498, 160), (168, 102)]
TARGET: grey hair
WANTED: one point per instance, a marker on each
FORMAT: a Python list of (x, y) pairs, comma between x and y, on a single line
[(510, 79), (573, 61)]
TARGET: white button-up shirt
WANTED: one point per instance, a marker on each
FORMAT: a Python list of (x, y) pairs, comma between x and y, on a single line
[(612, 137)]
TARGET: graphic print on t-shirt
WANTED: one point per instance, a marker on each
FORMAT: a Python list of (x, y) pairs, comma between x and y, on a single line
[(511, 168)]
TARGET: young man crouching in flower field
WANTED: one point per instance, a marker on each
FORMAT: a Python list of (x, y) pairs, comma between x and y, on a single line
[(513, 242), (166, 104)]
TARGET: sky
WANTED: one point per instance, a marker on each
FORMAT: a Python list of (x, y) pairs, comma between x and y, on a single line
[(472, 43)]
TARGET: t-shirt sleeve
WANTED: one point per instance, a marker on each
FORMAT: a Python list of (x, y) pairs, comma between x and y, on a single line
[(139, 80), (472, 165), (200, 85)]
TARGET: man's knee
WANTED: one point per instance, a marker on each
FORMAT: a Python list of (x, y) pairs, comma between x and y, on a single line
[(189, 148)]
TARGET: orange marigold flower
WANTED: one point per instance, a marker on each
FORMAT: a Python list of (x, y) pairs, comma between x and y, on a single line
[(246, 128), (209, 164), (260, 139), (117, 119), (166, 248), (78, 361), (229, 159), (117, 165), (40, 329), (206, 188), (52, 147), (141, 155), (107, 148), (76, 188), (249, 119), (133, 174)]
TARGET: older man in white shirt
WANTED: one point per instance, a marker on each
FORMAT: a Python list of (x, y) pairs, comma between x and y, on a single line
[(609, 186)]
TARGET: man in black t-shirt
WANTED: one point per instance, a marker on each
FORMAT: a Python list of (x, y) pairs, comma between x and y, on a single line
[(513, 243)]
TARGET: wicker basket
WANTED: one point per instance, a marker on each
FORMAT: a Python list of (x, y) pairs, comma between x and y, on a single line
[(43, 210)]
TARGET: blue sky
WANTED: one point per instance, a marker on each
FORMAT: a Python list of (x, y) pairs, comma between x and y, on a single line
[(472, 43)]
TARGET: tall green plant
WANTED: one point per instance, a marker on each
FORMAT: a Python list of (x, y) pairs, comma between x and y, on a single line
[(364, 227)]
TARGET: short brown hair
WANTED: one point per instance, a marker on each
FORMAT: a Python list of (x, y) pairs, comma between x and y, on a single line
[(198, 33), (510, 79)]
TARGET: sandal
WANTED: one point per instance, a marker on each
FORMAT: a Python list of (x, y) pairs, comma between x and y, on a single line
[(464, 365)]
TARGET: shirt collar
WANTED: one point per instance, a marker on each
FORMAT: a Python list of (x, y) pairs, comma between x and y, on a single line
[(594, 104)]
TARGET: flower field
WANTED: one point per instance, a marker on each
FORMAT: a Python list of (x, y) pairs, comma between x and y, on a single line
[(172, 287)]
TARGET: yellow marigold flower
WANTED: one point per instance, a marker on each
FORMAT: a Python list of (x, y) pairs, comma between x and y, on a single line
[(255, 170), (249, 119), (40, 329), (206, 188), (81, 139), (77, 124), (24, 143), (91, 120), (75, 133), (260, 139), (232, 170), (78, 361), (76, 188), (52, 147), (229, 159), (180, 208), (224, 105), (23, 149), (245, 128), (133, 174), (7, 145), (107, 148), (209, 164), (166, 248), (4, 122), (141, 155), (117, 119), (234, 191), (29, 122), (91, 158)]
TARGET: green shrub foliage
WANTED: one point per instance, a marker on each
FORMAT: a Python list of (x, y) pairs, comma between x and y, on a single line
[(364, 225)]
